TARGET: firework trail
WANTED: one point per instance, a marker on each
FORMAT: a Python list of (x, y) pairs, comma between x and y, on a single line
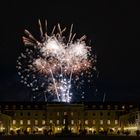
[(55, 63)]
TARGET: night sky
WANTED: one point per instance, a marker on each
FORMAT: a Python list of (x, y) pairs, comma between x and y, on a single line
[(113, 29)]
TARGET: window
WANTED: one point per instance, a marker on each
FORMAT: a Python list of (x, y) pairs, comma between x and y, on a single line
[(130, 106), (101, 122), (108, 122), (21, 114), (94, 122), (6, 107), (101, 106), (85, 113), (108, 106), (51, 121), (14, 122), (101, 113), (58, 113), (116, 106), (65, 113), (28, 106), (43, 122), (28, 122), (108, 113), (64, 121), (57, 122), (79, 121), (36, 122), (94, 106), (72, 122), (36, 106), (116, 122), (86, 122), (93, 114), (123, 107), (14, 107), (21, 106), (36, 114), (28, 113), (21, 122), (71, 113)]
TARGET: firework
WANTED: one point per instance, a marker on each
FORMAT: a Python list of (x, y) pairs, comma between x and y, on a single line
[(55, 63)]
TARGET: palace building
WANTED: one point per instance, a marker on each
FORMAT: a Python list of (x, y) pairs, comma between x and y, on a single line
[(37, 117)]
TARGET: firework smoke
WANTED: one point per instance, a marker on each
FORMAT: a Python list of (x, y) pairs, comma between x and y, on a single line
[(54, 63)]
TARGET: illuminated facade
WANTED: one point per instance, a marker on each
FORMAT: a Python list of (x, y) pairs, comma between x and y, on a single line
[(5, 121), (131, 121), (37, 117)]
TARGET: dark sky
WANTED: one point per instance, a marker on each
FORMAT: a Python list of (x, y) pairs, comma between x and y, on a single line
[(112, 27)]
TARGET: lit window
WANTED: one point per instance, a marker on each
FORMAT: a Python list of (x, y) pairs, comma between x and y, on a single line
[(79, 121), (28, 122), (58, 113), (72, 122), (57, 121), (101, 122), (21, 122), (116, 122), (51, 121), (64, 121), (14, 122), (108, 122), (36, 122), (94, 122), (86, 122), (65, 113), (123, 107), (43, 122), (71, 113)]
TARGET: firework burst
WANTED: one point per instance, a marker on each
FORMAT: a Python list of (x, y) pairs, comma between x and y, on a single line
[(53, 66)]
